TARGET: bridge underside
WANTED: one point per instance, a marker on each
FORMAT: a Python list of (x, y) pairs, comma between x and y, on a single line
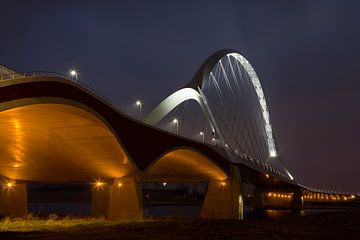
[(58, 143), (53, 142), (184, 165)]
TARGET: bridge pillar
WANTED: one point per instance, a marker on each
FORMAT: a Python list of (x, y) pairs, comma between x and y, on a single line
[(125, 200), (13, 200), (100, 200), (259, 200), (297, 201), (223, 199), (120, 200)]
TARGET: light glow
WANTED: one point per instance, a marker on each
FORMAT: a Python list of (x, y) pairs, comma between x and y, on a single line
[(99, 184), (9, 184)]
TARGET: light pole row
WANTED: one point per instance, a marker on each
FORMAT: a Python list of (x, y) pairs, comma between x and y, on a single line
[(138, 103)]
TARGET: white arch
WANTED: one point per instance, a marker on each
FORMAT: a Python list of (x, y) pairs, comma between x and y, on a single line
[(260, 93), (175, 99), (265, 112), (171, 102), (184, 94)]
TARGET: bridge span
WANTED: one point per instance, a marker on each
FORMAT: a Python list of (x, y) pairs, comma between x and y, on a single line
[(57, 130)]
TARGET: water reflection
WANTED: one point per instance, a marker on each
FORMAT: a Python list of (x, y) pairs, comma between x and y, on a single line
[(271, 214)]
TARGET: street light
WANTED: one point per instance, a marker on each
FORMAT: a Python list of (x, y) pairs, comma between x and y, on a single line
[(202, 136), (138, 103), (74, 74), (214, 141), (177, 125)]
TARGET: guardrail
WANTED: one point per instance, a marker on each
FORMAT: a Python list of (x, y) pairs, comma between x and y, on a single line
[(13, 76)]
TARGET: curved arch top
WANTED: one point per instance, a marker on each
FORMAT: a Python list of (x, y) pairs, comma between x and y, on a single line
[(203, 73), (204, 70)]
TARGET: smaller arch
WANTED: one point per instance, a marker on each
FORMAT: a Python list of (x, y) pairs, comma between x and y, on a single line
[(172, 101), (184, 164)]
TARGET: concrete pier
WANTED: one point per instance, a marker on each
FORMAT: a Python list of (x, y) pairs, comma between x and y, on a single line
[(223, 199), (120, 200), (13, 199), (125, 200)]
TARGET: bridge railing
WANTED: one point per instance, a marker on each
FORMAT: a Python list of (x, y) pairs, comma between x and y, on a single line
[(13, 76)]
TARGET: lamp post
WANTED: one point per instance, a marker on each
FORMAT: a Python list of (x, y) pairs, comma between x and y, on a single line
[(74, 74), (138, 103), (177, 125), (202, 136)]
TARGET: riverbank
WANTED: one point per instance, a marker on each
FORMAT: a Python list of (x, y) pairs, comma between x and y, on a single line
[(327, 225)]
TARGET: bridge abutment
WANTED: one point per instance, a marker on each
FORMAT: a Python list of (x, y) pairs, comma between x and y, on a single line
[(120, 200), (223, 199), (13, 199)]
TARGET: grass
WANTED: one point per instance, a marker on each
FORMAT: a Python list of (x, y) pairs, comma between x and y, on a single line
[(335, 225), (54, 223)]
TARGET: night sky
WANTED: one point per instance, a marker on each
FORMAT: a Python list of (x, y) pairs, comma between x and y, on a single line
[(306, 54)]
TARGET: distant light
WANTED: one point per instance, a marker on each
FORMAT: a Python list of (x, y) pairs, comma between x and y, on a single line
[(119, 184), (223, 183), (164, 184), (201, 133), (267, 175), (138, 102), (175, 120), (74, 74)]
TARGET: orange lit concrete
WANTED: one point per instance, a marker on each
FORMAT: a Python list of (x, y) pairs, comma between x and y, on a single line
[(100, 200), (58, 143), (184, 165), (119, 200), (223, 199), (125, 200), (13, 200)]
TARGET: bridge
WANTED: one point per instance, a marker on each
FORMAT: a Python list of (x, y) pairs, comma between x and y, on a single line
[(216, 129)]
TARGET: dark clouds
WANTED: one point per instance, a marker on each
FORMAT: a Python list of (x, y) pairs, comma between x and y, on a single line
[(305, 52)]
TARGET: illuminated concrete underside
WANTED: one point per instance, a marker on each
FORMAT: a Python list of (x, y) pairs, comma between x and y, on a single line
[(58, 143), (184, 165)]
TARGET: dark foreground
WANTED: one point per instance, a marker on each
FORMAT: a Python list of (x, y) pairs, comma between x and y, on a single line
[(324, 226)]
